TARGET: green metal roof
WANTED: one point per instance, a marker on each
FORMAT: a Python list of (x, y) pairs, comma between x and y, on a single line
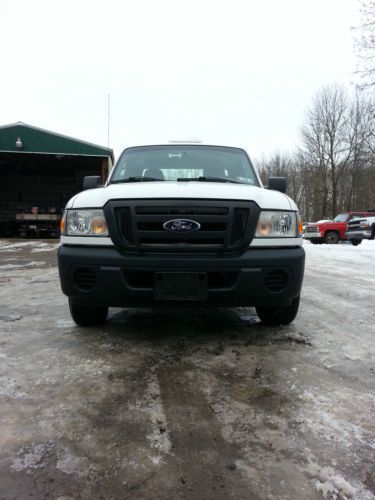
[(38, 140)]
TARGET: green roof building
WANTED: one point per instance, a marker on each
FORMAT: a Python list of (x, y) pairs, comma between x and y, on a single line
[(40, 171), (25, 138)]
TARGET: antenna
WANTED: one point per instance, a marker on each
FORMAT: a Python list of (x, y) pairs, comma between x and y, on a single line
[(108, 116)]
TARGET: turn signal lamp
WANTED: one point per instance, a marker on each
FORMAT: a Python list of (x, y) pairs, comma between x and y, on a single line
[(99, 226), (264, 228), (62, 224), (300, 226)]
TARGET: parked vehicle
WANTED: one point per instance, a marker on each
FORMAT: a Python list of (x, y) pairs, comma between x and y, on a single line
[(332, 231), (361, 229), (182, 225)]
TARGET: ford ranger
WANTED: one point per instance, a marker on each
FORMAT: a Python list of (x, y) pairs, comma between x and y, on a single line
[(182, 225)]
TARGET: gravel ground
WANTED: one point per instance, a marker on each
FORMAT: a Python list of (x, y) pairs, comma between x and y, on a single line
[(191, 404)]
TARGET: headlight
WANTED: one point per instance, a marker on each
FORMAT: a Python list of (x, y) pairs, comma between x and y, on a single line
[(280, 224), (85, 223), (364, 224)]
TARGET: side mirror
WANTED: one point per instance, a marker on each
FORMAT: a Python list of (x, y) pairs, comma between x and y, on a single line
[(92, 181), (277, 184)]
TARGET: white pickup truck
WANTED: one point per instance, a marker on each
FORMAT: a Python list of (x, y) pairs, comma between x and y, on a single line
[(182, 225), (361, 229)]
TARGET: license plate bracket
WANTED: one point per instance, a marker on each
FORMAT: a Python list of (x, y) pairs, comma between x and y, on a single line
[(180, 286)]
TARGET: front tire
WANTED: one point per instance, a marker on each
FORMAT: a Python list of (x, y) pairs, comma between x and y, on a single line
[(87, 315), (276, 316), (331, 238), (356, 242)]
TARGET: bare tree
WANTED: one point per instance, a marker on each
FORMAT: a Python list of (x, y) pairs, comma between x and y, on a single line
[(334, 169), (364, 43), (361, 136), (285, 165), (326, 138)]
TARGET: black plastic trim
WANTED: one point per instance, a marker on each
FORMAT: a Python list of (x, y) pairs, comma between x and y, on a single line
[(248, 289)]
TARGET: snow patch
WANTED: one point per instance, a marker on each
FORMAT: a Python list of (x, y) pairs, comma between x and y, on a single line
[(64, 323), (331, 484), (10, 388), (32, 458), (34, 245), (45, 248), (157, 460), (71, 464), (19, 266), (153, 405)]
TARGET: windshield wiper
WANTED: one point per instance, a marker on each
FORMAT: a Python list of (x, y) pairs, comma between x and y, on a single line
[(207, 179), (135, 179), (179, 179)]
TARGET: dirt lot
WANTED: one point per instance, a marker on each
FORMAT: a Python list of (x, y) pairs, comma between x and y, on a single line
[(198, 404)]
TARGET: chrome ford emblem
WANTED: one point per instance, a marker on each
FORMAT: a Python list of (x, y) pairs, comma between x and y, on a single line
[(181, 226)]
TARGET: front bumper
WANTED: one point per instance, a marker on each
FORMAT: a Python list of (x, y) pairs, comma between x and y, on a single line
[(256, 277), (311, 236), (363, 234)]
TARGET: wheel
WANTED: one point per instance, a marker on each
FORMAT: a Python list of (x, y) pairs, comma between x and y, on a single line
[(276, 316), (331, 238), (373, 233), (356, 242), (87, 315)]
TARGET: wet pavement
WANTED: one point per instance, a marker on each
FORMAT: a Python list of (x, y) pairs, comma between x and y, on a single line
[(187, 404)]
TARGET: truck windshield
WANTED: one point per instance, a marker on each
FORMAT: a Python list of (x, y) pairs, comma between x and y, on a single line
[(184, 163), (341, 218)]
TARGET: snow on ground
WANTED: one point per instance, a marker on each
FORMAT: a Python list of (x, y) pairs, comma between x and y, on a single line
[(343, 253), (34, 245), (19, 266)]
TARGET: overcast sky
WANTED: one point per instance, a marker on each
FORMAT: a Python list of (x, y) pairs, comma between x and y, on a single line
[(227, 72)]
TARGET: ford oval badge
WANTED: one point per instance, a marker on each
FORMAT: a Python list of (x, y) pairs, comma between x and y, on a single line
[(181, 226)]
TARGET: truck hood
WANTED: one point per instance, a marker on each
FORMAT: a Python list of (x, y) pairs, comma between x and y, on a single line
[(266, 199)]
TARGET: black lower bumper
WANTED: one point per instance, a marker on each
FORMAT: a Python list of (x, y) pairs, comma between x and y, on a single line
[(256, 277)]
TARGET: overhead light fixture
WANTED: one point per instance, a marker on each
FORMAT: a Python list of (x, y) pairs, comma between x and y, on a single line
[(19, 143), (187, 141)]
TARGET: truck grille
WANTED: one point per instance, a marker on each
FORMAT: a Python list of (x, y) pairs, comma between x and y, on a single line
[(311, 229), (354, 226), (138, 225)]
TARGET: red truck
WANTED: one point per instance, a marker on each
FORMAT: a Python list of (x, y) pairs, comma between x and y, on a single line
[(332, 231)]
